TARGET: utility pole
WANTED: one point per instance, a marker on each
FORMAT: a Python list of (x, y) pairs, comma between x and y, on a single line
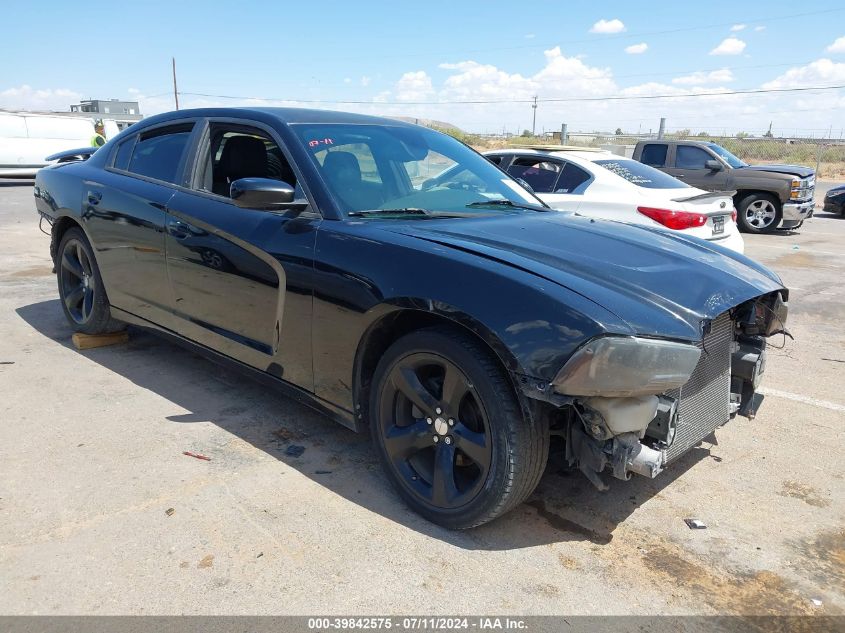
[(564, 136), (175, 91), (662, 127), (534, 122)]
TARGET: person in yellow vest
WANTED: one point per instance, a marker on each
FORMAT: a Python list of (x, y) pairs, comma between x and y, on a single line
[(98, 140)]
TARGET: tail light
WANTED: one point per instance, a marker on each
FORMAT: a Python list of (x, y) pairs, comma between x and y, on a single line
[(733, 215), (677, 220)]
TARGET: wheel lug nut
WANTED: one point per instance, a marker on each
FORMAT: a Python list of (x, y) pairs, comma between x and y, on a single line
[(428, 420), (451, 422), (438, 410), (436, 439), (447, 439)]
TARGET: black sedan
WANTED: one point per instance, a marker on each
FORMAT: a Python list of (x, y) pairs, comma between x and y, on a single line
[(460, 320), (834, 200)]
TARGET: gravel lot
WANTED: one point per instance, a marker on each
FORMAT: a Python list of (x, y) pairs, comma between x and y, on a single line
[(91, 462)]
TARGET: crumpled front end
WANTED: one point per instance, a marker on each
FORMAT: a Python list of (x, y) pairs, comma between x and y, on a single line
[(619, 417)]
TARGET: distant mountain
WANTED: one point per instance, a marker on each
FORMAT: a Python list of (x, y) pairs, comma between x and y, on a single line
[(443, 125)]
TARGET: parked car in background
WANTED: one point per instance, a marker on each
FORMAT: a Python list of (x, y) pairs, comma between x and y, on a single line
[(27, 139), (766, 197), (834, 200), (600, 184), (460, 320)]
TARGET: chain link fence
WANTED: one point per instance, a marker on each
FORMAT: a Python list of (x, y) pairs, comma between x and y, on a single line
[(826, 156)]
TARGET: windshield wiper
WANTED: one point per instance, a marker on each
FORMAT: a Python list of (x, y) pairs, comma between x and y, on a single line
[(504, 202), (403, 211), (411, 211)]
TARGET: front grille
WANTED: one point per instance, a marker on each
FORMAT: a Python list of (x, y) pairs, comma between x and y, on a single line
[(705, 399)]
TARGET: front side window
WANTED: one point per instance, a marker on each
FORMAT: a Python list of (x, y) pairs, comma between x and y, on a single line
[(540, 173), (641, 175), (691, 157), (158, 153), (236, 152), (386, 168)]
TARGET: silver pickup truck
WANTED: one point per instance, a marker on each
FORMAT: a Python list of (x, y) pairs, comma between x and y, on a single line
[(767, 197)]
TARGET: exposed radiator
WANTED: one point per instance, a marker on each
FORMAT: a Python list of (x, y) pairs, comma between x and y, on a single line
[(705, 400)]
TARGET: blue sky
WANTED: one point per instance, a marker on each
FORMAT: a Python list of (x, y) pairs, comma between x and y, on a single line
[(399, 57)]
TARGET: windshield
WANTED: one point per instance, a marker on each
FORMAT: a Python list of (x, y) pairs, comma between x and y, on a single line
[(641, 175), (730, 159), (384, 168)]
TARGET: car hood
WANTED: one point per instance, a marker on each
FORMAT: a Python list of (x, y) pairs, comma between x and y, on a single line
[(792, 170), (657, 282)]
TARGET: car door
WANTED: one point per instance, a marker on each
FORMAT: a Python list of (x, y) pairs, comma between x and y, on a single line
[(124, 214), (242, 278), (690, 165)]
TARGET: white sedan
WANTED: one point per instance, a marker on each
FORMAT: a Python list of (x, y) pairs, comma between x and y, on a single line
[(601, 184)]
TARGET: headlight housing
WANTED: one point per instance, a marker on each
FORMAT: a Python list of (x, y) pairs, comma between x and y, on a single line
[(623, 366)]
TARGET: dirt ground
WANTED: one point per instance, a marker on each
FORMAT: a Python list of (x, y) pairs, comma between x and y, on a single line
[(101, 513)]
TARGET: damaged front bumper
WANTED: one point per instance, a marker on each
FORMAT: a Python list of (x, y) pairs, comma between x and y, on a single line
[(642, 434)]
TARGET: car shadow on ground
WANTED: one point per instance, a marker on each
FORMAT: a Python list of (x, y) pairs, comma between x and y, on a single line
[(565, 506)]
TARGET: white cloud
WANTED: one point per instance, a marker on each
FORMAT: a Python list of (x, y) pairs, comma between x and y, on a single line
[(365, 81), (759, 28), (822, 72), (729, 46), (414, 86), (530, 36), (838, 46), (703, 77), (636, 49), (133, 91), (26, 97), (608, 26), (738, 27)]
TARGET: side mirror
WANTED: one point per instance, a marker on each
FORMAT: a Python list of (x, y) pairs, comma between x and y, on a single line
[(713, 165), (260, 193)]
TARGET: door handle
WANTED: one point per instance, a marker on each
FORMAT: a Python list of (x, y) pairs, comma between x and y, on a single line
[(94, 197), (177, 229)]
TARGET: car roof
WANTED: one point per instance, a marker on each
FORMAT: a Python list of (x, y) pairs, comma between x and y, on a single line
[(560, 151), (284, 115)]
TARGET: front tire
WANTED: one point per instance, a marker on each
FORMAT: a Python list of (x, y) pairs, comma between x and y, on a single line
[(759, 213), (81, 289), (487, 456)]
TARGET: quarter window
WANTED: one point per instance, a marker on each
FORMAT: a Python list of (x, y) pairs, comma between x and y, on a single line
[(689, 157), (124, 154), (158, 153), (654, 154)]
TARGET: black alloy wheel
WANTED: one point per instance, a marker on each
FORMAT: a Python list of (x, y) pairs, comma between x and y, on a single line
[(449, 430), (435, 431), (81, 289), (76, 279)]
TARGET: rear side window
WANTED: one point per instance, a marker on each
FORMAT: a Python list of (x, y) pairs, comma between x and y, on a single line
[(539, 173), (571, 180), (654, 154), (158, 154), (690, 157), (496, 160), (641, 175)]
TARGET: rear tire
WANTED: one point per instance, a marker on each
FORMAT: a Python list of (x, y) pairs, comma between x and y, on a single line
[(759, 213), (488, 456), (81, 290)]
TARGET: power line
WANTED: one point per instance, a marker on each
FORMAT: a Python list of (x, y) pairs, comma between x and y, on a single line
[(531, 100)]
